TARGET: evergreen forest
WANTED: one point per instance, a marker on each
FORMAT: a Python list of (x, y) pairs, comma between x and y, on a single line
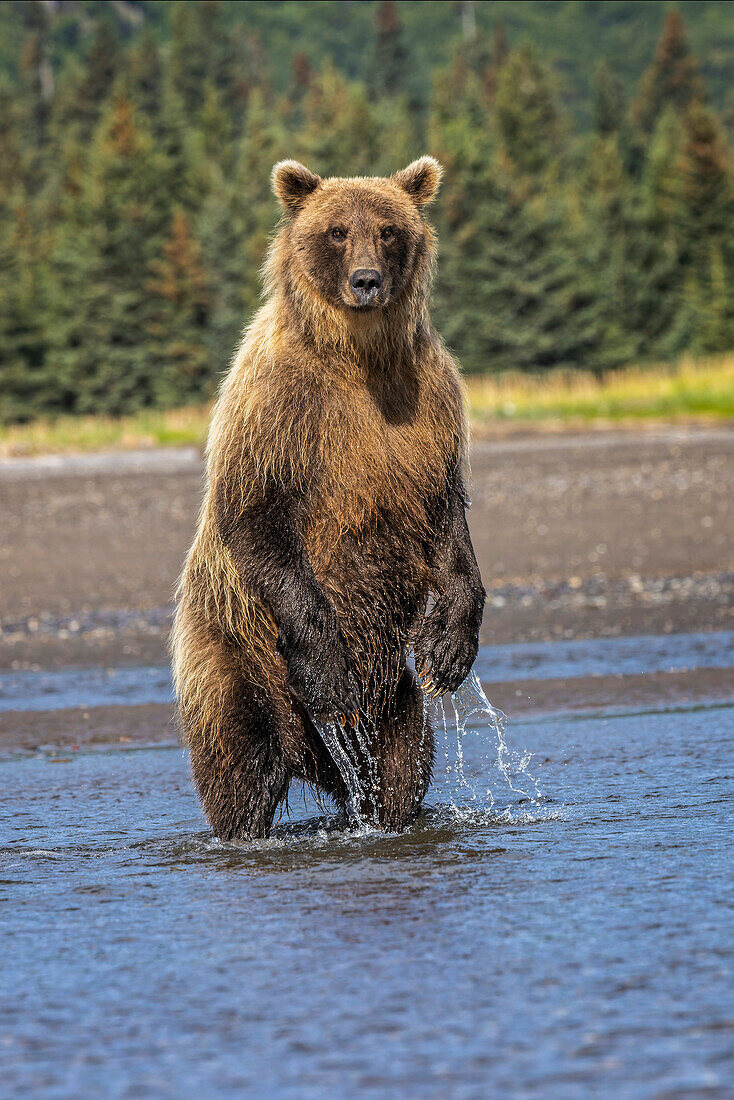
[(585, 219)]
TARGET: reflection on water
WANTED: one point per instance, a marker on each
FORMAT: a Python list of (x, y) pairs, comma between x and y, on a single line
[(573, 946)]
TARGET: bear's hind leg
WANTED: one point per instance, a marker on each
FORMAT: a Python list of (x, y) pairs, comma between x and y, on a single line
[(405, 749), (233, 727), (240, 776)]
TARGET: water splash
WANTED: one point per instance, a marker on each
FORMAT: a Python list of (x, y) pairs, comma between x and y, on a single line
[(469, 701), (472, 711), (351, 749), (342, 757), (364, 732)]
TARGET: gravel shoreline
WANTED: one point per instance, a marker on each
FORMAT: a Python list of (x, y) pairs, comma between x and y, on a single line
[(583, 535), (529, 612)]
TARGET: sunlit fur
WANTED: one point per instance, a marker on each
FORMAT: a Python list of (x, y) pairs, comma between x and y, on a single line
[(364, 408)]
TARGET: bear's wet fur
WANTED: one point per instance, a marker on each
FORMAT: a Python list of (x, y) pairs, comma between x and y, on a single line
[(334, 508)]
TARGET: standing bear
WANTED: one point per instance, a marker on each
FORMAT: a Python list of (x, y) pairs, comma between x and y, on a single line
[(334, 513)]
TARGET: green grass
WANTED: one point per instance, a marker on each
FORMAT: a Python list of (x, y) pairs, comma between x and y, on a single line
[(692, 390), (151, 428)]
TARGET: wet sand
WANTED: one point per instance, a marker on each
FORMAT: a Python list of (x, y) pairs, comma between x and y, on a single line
[(577, 536), (154, 723)]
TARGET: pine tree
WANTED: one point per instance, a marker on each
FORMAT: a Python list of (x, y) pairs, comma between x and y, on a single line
[(622, 253), (499, 53), (340, 133), (707, 216), (523, 297), (188, 54), (661, 313), (461, 135), (516, 286), (32, 109), (705, 174), (527, 116), (234, 226), (135, 203), (609, 101), (391, 56), (301, 73), (13, 174), (110, 232), (103, 63), (146, 76), (184, 151), (673, 79), (37, 85), (204, 52), (181, 367), (29, 385)]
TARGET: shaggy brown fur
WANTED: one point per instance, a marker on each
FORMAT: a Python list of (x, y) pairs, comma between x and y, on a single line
[(334, 508)]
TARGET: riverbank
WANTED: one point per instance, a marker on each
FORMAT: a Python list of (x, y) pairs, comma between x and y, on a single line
[(580, 535)]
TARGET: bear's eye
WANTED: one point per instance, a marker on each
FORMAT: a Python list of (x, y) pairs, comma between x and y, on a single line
[(338, 234), (388, 233)]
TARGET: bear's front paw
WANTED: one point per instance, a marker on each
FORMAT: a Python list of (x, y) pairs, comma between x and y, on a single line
[(446, 648)]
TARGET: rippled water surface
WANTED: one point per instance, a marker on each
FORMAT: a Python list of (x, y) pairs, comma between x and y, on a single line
[(574, 948), (51, 689)]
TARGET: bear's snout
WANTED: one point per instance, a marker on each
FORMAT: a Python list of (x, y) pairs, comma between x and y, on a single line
[(365, 283)]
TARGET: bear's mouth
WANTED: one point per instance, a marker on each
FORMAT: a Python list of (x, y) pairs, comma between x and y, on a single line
[(365, 307), (368, 305)]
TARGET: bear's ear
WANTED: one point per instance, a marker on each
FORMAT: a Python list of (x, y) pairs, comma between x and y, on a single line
[(293, 183), (420, 180)]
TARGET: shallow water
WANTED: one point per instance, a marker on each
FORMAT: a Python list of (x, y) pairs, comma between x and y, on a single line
[(575, 948), (71, 687)]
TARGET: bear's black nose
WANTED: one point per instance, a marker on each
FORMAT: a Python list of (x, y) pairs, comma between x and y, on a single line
[(365, 282)]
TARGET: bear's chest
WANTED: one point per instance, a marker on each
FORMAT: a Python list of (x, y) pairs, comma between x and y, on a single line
[(377, 459), (379, 475)]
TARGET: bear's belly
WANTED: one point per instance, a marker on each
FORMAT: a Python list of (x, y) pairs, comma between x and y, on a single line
[(378, 579)]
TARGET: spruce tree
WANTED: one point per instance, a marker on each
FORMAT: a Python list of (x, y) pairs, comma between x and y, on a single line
[(234, 226), (135, 204), (391, 56), (13, 174), (111, 231), (707, 216), (673, 79), (188, 58), (181, 366), (527, 116), (102, 65), (340, 134), (609, 101), (621, 252), (146, 76), (29, 385), (661, 246), (522, 295), (204, 51), (499, 53)]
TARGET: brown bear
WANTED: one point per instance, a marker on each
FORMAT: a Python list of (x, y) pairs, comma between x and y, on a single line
[(334, 512)]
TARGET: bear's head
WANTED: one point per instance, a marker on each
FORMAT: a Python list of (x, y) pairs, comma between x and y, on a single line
[(357, 243)]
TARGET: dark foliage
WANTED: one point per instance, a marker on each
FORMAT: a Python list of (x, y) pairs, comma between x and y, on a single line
[(135, 206)]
